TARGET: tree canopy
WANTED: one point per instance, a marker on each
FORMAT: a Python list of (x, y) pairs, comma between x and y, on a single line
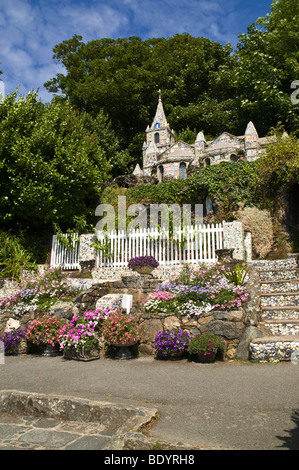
[(268, 63), (51, 164), (206, 86), (123, 76)]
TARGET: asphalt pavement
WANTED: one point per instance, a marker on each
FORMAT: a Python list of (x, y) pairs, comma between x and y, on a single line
[(227, 405)]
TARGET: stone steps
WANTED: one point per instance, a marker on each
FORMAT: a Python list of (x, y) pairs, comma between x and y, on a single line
[(279, 275), (281, 299), (282, 326), (287, 286), (279, 310), (276, 265), (279, 313), (280, 347)]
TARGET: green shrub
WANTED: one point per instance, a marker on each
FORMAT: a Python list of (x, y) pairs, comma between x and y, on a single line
[(236, 275), (13, 257)]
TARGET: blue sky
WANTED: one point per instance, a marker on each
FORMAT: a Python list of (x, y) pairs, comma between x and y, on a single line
[(29, 29)]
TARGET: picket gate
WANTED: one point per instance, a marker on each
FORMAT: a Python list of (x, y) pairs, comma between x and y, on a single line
[(63, 257)]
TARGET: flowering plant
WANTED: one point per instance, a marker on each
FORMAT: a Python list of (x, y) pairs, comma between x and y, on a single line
[(45, 330), (142, 262), (206, 344), (39, 294), (84, 331), (12, 338), (170, 343), (198, 290), (120, 329), (160, 301)]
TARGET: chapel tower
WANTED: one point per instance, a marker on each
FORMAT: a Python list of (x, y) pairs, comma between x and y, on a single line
[(159, 137)]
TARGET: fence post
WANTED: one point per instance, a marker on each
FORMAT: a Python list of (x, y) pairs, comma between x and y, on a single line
[(87, 253), (248, 246)]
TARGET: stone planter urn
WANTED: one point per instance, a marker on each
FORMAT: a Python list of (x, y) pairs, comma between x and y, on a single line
[(146, 270), (50, 351), (123, 350), (225, 254), (82, 354)]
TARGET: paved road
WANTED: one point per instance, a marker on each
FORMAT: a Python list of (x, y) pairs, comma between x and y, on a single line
[(226, 405)]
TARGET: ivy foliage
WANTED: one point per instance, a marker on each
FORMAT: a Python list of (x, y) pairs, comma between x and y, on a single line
[(229, 183)]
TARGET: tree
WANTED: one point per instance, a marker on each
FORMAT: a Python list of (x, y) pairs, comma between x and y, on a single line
[(122, 77), (268, 62), (51, 165), (279, 166)]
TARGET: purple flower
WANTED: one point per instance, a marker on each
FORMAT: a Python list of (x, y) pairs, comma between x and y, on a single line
[(143, 261)]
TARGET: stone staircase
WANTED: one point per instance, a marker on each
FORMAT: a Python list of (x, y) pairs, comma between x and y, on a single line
[(279, 310)]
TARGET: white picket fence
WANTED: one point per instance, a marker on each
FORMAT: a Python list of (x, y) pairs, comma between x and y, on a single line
[(194, 244), (66, 258)]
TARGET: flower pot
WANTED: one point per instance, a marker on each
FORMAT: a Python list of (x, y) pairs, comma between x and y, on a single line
[(205, 358), (144, 270), (50, 351), (171, 357), (18, 349), (123, 351), (83, 354)]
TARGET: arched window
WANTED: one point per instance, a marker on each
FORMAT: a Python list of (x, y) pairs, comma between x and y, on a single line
[(182, 171), (208, 162), (233, 158), (157, 138)]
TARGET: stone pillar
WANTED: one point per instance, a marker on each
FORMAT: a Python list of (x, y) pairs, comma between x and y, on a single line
[(233, 237), (248, 246), (87, 253)]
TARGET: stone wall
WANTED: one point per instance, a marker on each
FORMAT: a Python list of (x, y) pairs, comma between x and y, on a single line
[(229, 325)]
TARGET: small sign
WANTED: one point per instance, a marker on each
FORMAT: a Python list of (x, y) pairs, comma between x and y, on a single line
[(122, 301)]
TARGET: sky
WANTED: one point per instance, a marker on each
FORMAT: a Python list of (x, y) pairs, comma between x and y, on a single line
[(29, 29)]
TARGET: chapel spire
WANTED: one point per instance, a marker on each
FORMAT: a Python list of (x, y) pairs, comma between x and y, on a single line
[(160, 114)]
